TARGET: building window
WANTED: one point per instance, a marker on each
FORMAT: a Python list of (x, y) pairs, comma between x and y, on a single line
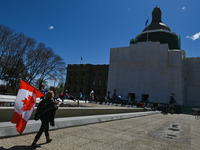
[(93, 82), (94, 74), (131, 96), (82, 82), (83, 73), (145, 97), (106, 74), (100, 74), (99, 82), (106, 83)]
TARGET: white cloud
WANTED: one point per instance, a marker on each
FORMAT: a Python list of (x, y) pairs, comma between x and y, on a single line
[(51, 27), (194, 37), (183, 8)]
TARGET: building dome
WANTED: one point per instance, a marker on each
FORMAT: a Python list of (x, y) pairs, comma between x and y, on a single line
[(157, 31), (156, 22), (157, 25)]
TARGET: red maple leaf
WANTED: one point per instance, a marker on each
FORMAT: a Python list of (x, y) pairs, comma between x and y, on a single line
[(28, 103)]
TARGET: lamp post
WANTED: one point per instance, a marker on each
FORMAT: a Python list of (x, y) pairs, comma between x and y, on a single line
[(64, 92), (108, 93)]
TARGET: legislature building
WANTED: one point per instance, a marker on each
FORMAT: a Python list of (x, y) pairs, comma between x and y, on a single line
[(154, 66)]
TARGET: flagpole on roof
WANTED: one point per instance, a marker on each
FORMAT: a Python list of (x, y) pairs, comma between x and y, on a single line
[(81, 59)]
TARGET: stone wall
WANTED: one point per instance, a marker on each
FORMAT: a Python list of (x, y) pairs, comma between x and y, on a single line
[(147, 68), (192, 79), (7, 112)]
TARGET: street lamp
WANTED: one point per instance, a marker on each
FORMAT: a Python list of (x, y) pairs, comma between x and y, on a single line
[(64, 92), (108, 93)]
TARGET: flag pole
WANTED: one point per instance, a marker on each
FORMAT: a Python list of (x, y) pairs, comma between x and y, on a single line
[(81, 59)]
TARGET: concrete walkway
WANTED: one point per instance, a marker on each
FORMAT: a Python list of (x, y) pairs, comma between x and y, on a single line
[(8, 129), (151, 132)]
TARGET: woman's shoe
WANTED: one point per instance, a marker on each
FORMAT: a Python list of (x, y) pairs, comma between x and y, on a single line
[(48, 140)]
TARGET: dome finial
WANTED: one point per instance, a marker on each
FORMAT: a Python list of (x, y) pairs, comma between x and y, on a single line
[(156, 22), (156, 14)]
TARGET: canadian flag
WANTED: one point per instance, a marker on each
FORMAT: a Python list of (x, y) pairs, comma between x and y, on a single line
[(24, 104)]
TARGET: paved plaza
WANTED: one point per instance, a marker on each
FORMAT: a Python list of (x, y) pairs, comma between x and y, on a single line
[(161, 132)]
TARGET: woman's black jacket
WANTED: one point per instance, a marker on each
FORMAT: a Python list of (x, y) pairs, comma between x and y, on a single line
[(46, 110)]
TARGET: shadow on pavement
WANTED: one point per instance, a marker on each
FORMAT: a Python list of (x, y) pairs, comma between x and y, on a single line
[(21, 147)]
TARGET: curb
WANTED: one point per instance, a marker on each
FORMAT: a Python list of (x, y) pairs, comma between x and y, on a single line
[(7, 129)]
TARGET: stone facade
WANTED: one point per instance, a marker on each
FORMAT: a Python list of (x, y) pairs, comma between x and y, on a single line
[(153, 67), (149, 71), (192, 81), (85, 77)]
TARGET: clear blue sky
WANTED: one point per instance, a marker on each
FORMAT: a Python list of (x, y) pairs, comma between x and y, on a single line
[(89, 28)]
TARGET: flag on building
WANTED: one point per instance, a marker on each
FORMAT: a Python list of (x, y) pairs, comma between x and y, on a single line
[(24, 104), (146, 23)]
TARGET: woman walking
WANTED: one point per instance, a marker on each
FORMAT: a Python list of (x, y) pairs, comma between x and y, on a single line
[(46, 113)]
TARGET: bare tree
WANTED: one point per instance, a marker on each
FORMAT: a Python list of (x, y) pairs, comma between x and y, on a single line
[(13, 46), (21, 59), (44, 64), (52, 66)]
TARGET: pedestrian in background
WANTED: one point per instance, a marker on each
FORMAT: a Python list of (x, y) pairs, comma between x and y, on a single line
[(80, 96), (92, 95)]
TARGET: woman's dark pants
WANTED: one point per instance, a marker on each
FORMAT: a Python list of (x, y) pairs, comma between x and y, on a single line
[(44, 128)]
